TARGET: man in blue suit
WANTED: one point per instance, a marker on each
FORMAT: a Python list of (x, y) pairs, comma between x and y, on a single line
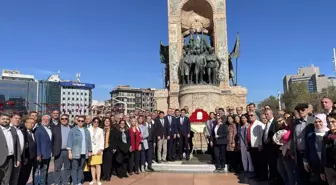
[(43, 136), (172, 132), (183, 127)]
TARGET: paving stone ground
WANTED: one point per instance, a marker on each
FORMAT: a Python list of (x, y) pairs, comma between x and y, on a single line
[(162, 178)]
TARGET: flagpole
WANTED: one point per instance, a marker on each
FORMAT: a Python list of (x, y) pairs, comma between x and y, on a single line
[(236, 71)]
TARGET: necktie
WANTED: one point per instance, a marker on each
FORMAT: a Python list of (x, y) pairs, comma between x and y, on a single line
[(182, 120), (162, 122), (31, 135)]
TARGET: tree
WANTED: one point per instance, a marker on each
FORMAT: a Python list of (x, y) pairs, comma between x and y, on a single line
[(271, 101), (298, 93)]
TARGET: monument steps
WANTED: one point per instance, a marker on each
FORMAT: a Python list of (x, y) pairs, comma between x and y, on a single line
[(179, 167), (198, 163)]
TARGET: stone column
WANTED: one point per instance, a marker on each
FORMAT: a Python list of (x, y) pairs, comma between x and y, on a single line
[(221, 44), (175, 46)]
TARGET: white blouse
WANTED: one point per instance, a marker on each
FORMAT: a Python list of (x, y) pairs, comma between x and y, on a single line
[(216, 129)]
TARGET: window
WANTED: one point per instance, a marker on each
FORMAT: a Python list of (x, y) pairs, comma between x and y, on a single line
[(81, 93), (63, 93), (63, 99), (77, 93), (68, 93), (76, 99), (68, 98), (73, 99)]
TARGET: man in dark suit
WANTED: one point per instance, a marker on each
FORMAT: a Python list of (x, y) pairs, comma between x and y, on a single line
[(270, 149), (151, 141), (9, 149), (43, 136), (54, 121), (184, 129), (16, 124), (161, 132), (29, 157), (172, 131), (60, 134)]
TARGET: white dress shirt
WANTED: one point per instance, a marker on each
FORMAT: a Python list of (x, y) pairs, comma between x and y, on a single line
[(21, 138), (9, 140), (48, 131), (268, 125)]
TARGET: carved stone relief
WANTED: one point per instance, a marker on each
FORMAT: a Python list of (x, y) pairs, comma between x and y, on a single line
[(174, 4), (220, 6)]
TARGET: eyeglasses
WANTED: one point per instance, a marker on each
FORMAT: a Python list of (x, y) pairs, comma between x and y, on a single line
[(80, 121), (64, 118), (251, 115)]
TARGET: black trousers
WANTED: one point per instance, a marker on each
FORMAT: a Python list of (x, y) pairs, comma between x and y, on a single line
[(107, 164), (150, 154), (259, 163), (171, 148), (184, 146), (211, 152), (25, 172), (270, 153), (121, 168), (220, 156), (134, 161)]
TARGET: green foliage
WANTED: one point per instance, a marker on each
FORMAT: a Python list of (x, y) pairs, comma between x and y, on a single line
[(299, 94), (271, 101)]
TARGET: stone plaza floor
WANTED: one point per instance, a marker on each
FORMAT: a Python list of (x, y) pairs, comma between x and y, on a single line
[(158, 178), (174, 178)]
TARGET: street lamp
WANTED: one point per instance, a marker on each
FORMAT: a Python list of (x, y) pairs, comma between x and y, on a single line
[(279, 99), (118, 101)]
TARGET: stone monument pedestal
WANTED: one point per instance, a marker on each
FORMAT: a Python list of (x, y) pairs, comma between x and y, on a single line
[(208, 97), (205, 97)]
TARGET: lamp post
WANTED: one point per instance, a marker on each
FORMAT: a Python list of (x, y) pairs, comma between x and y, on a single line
[(279, 97), (118, 101)]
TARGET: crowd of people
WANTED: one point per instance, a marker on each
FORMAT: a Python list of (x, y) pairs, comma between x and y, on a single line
[(283, 148), (94, 149), (288, 148)]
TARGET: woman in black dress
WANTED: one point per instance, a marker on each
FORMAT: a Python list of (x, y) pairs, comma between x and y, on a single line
[(123, 145), (219, 142)]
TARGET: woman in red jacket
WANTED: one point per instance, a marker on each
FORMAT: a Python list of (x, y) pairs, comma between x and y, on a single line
[(135, 148)]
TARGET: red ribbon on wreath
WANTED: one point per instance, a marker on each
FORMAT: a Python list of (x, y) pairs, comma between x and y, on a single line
[(199, 115)]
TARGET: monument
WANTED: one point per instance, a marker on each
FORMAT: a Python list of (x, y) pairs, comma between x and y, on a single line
[(198, 67)]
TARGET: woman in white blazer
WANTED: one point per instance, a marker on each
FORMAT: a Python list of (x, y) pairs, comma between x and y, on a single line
[(95, 161)]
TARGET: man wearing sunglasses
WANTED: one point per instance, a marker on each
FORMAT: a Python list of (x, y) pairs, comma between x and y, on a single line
[(302, 127), (60, 138), (80, 148)]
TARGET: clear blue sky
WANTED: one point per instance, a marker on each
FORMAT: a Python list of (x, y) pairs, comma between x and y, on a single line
[(112, 42)]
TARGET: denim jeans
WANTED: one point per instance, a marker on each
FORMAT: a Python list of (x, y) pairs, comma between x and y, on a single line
[(286, 168), (41, 172), (77, 166), (62, 177)]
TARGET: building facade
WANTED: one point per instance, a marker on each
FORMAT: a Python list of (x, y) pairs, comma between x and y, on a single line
[(18, 92), (49, 96), (311, 76), (126, 97), (76, 98)]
